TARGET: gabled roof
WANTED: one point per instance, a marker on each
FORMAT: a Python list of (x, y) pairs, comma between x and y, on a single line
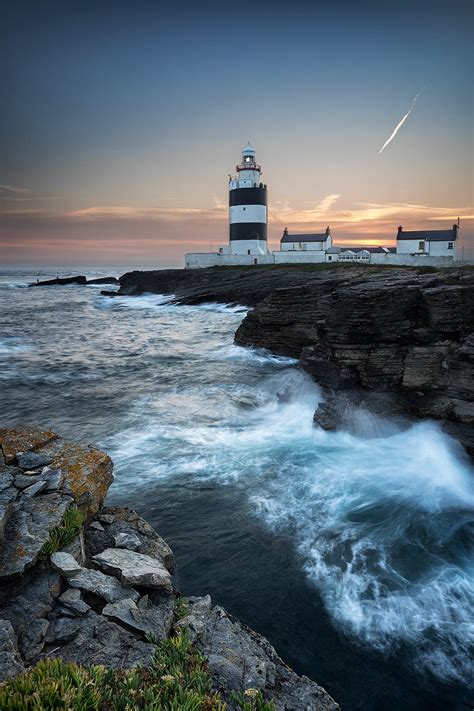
[(304, 238), (430, 235)]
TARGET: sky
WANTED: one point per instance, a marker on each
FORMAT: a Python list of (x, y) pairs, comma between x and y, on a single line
[(122, 121)]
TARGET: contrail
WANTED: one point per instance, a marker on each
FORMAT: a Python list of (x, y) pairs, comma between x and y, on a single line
[(399, 125)]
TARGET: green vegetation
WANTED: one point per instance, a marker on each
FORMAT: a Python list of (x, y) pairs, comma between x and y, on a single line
[(178, 679), (64, 534), (181, 608), (252, 700)]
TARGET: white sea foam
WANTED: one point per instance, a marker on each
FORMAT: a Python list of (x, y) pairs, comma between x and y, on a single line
[(372, 517)]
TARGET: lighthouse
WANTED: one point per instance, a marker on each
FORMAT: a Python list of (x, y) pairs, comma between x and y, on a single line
[(248, 207)]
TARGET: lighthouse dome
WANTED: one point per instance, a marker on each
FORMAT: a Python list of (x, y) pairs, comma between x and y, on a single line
[(248, 150)]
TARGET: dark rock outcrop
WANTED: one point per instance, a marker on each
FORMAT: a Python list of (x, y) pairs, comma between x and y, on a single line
[(63, 606), (80, 280)]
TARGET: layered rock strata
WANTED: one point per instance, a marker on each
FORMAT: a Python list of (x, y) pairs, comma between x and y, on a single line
[(97, 599)]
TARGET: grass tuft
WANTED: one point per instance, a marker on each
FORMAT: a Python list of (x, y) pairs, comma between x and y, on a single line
[(64, 534)]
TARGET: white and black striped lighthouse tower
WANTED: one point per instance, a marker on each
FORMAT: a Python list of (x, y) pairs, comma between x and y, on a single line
[(248, 207)]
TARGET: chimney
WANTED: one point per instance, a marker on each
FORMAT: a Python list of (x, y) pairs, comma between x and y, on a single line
[(455, 228), (399, 230), (285, 232), (328, 231)]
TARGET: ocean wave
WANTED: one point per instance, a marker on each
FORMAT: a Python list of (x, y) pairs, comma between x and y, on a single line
[(10, 345), (252, 355)]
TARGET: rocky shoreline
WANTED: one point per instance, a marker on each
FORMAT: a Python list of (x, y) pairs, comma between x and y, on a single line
[(397, 341), (89, 584)]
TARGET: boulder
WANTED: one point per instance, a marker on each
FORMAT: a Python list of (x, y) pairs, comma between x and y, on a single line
[(98, 640), (127, 540), (105, 586), (23, 481), (10, 660), (27, 530), (72, 599), (149, 619), (65, 564), (35, 488), (135, 568), (32, 460), (127, 521), (240, 659)]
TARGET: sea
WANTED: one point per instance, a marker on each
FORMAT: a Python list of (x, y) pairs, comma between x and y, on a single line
[(351, 551)]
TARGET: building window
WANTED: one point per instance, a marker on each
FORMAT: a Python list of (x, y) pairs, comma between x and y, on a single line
[(421, 246), (329, 259), (450, 245), (248, 251)]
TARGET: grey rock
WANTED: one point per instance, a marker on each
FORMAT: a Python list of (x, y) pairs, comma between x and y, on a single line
[(62, 629), (31, 600), (147, 618), (23, 481), (33, 638), (27, 530), (96, 525), (10, 660), (35, 488), (31, 460), (65, 564), (54, 478), (8, 495), (127, 540), (135, 568), (72, 599), (101, 641), (239, 659), (104, 586), (76, 548), (126, 520), (107, 518)]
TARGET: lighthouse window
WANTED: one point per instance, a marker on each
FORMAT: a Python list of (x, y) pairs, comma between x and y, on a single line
[(247, 159), (450, 245)]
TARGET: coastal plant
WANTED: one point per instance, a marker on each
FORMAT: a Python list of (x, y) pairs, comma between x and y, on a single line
[(252, 700), (181, 608), (64, 534), (177, 679)]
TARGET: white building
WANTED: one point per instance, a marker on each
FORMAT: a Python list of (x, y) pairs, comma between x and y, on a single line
[(248, 217), (305, 242), (431, 243)]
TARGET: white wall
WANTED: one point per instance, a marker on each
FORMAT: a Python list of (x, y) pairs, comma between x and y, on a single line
[(297, 257), (242, 246), (440, 249), (247, 213), (302, 246), (201, 260), (409, 261), (434, 249)]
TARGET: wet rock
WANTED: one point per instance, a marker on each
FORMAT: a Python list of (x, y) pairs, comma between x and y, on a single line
[(27, 530), (10, 660), (65, 564), (35, 488), (104, 586), (101, 641), (135, 568), (147, 619), (72, 599), (32, 460), (127, 540), (22, 439), (240, 659), (127, 521)]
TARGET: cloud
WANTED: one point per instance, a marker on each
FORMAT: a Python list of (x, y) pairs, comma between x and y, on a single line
[(8, 189), (399, 125)]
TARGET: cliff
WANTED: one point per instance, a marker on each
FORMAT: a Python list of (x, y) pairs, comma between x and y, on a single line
[(93, 585), (399, 340)]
